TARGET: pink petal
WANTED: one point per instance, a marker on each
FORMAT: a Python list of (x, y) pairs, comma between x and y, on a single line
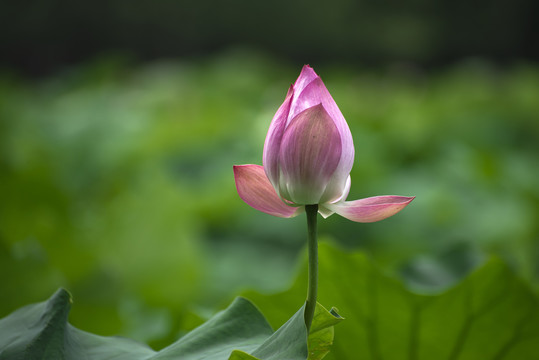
[(316, 93), (270, 157), (255, 189), (306, 76), (371, 209), (309, 154)]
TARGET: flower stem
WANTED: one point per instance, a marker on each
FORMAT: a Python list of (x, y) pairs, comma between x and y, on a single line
[(312, 290)]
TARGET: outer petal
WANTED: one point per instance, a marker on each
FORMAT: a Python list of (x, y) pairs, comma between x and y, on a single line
[(309, 154), (270, 157), (255, 189), (370, 209)]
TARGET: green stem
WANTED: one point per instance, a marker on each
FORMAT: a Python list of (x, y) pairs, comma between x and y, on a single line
[(312, 290)]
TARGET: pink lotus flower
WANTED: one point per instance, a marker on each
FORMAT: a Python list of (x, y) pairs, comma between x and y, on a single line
[(308, 155)]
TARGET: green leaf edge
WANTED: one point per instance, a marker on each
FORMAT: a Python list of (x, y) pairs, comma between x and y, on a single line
[(317, 346), (42, 331)]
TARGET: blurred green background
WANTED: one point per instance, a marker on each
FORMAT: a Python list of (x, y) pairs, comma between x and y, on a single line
[(120, 123)]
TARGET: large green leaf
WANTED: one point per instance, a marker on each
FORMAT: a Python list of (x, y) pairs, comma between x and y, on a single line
[(41, 331), (491, 315), (287, 342)]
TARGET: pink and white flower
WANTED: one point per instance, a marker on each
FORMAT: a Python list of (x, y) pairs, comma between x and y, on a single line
[(308, 156)]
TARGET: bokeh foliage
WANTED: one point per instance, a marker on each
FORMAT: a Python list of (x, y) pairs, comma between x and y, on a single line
[(116, 182)]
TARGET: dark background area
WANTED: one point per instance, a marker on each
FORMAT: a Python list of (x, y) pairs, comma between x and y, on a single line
[(40, 37)]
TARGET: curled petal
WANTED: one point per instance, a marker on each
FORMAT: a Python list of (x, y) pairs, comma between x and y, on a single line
[(324, 211), (256, 190), (346, 191), (371, 209)]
